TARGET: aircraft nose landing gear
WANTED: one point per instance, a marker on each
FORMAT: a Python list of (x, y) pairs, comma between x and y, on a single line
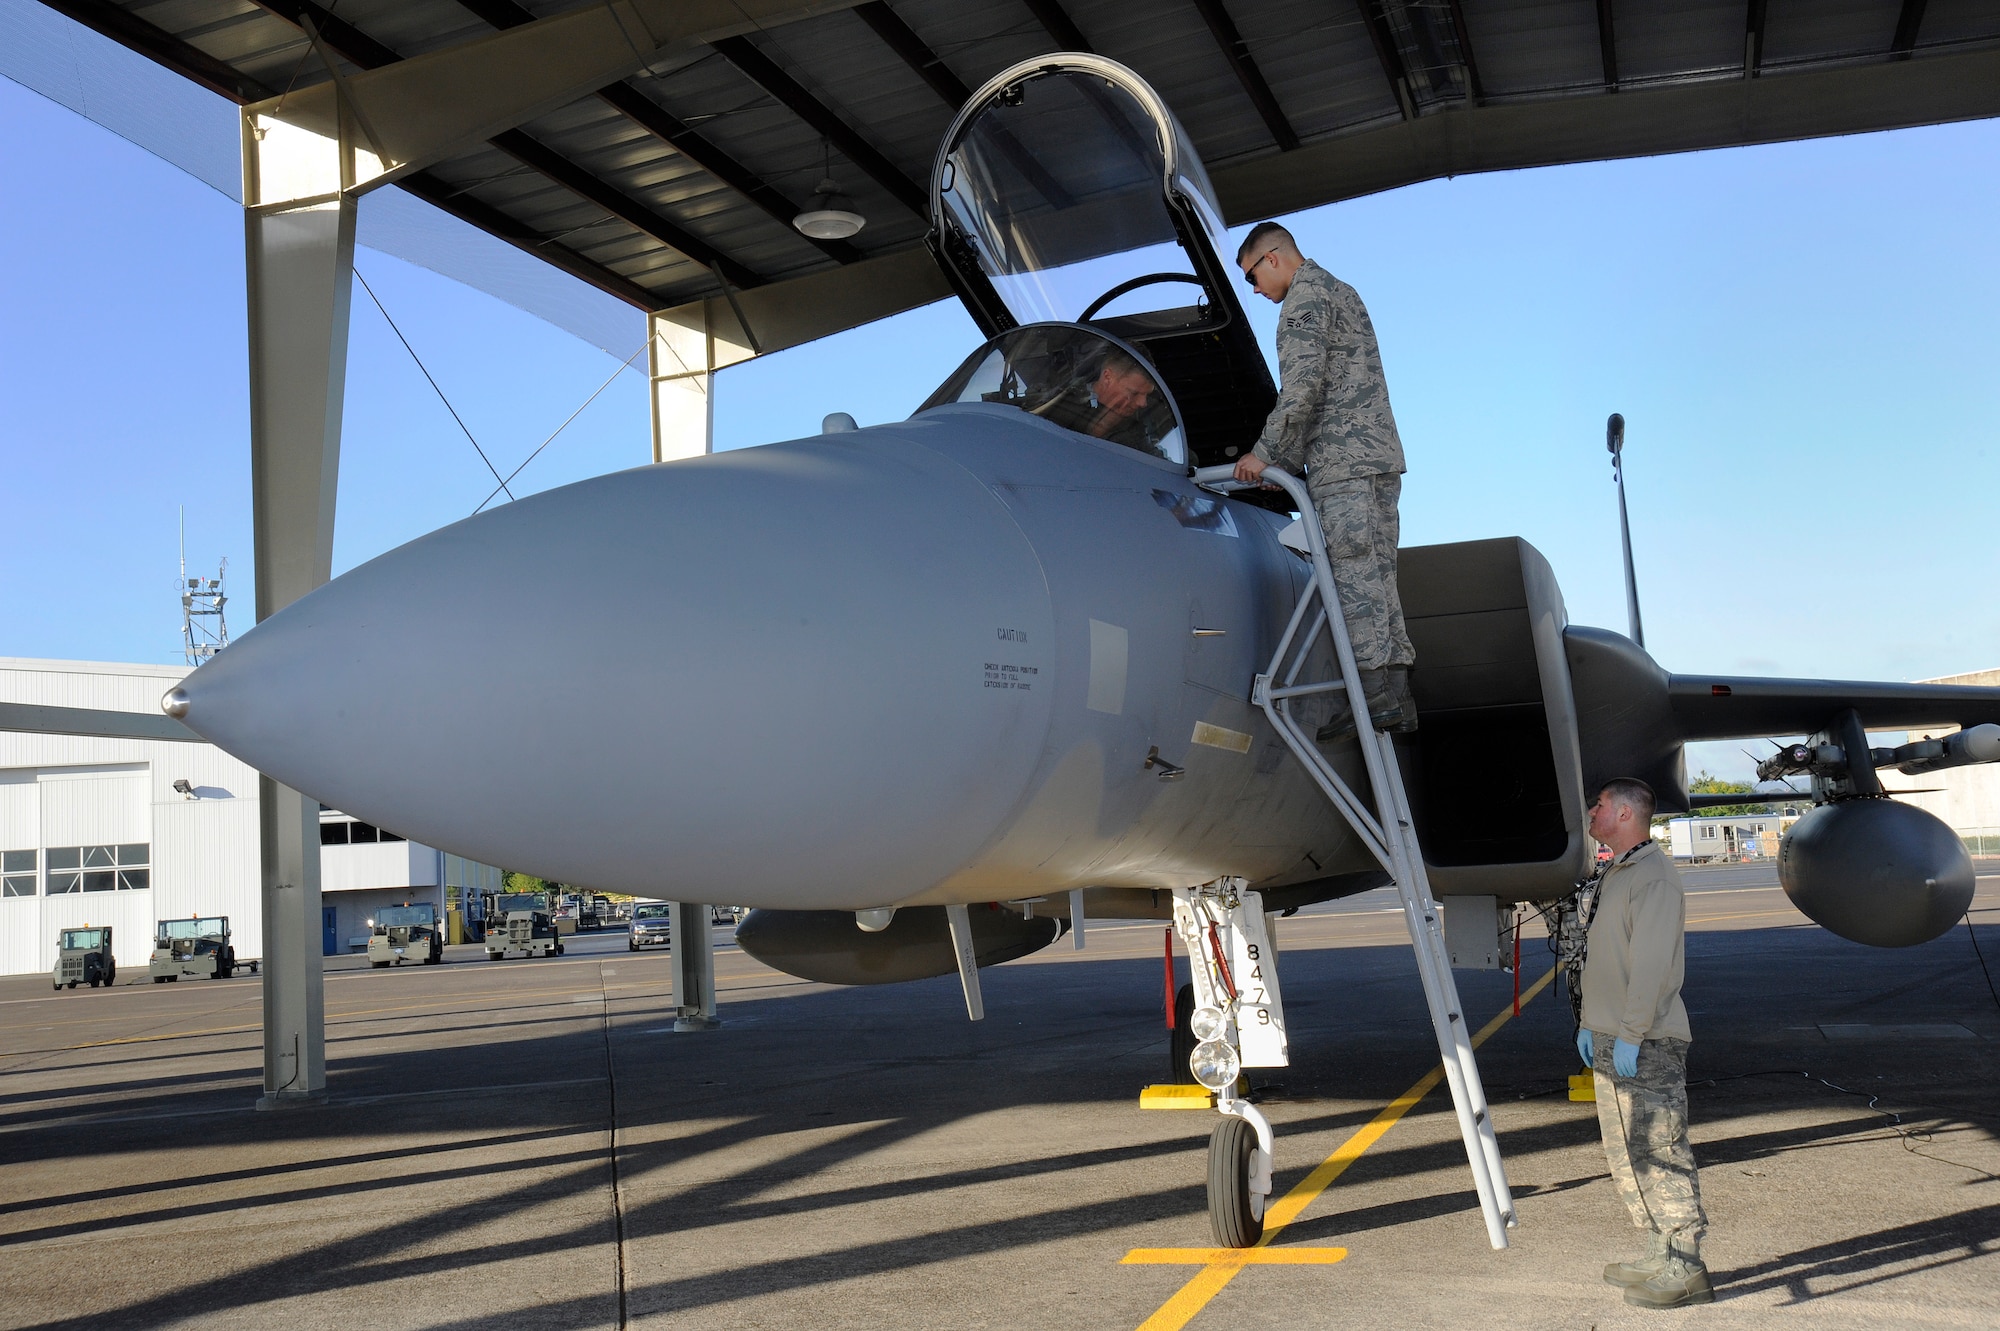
[(1238, 1021)]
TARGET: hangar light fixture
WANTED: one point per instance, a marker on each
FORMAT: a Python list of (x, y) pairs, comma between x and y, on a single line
[(829, 214)]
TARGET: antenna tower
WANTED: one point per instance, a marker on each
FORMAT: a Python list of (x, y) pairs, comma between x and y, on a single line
[(204, 631)]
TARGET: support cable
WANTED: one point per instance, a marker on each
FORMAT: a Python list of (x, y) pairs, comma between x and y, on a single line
[(1974, 936), (558, 430), (432, 382)]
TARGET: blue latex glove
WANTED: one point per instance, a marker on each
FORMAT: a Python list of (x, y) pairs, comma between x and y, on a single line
[(1585, 1046), (1625, 1058)]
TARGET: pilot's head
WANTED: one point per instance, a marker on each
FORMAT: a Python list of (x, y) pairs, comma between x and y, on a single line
[(1123, 388), (1269, 258)]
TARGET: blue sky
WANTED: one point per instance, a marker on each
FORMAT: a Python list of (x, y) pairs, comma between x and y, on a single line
[(1801, 337)]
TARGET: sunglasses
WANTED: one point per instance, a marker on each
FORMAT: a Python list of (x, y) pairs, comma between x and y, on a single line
[(1250, 273)]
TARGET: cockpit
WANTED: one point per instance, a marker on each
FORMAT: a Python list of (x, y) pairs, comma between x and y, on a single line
[(1074, 377), (1075, 221)]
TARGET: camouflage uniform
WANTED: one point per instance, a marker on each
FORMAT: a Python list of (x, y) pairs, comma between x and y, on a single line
[(1644, 1121), (1633, 969), (1333, 423)]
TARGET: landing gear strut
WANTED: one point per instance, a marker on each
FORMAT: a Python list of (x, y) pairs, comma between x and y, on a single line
[(1233, 1018)]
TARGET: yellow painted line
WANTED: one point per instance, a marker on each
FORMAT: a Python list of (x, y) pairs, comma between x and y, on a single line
[(1218, 1271), (1744, 915), (1236, 1256)]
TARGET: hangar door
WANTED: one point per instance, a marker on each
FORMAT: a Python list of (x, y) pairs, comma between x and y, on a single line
[(76, 845)]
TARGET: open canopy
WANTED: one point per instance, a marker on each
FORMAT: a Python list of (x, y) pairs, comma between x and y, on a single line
[(1079, 195), (1067, 192)]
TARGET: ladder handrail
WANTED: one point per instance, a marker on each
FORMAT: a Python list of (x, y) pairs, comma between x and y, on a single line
[(1390, 836)]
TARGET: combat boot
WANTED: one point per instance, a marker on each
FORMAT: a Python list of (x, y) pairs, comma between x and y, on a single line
[(1385, 708), (1682, 1281), (1406, 699), (1639, 1271)]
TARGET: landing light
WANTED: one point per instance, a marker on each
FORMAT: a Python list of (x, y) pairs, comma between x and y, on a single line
[(1207, 1023), (1215, 1065)]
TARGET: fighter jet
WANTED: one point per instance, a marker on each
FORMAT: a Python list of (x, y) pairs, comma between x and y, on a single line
[(1010, 649)]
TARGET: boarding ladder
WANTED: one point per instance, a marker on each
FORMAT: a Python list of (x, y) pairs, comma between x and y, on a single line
[(1386, 830)]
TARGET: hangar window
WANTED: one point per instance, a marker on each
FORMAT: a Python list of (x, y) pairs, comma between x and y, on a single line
[(18, 867), (346, 832), (1076, 378), (125, 868)]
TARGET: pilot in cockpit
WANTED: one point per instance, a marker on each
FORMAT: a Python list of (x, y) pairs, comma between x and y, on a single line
[(1110, 405)]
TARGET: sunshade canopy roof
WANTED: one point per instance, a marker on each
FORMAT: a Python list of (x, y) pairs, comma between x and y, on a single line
[(661, 186)]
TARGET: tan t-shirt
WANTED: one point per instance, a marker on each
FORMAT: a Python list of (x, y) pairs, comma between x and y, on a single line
[(1635, 960)]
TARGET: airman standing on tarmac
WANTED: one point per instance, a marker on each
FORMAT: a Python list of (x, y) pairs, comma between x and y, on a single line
[(1635, 1036), (1332, 421)]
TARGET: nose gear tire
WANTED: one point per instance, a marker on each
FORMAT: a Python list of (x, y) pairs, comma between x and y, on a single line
[(1234, 1212), (1181, 1041)]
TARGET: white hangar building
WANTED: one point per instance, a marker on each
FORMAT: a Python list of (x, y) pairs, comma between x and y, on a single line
[(126, 832)]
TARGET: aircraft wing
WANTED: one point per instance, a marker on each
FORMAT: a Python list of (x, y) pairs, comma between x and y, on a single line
[(1727, 707)]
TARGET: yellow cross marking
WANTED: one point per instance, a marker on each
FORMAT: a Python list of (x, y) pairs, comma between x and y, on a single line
[(1233, 1256), (1220, 1265)]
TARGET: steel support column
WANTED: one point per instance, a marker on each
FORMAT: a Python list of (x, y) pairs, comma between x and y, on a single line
[(684, 349), (300, 268), (694, 967)]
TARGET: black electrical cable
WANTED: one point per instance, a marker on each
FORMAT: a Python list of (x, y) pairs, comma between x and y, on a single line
[(1909, 1137), (433, 382), (617, 1183), (1973, 934)]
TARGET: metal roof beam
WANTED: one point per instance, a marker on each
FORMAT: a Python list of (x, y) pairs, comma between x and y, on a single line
[(357, 46), (1942, 88), (656, 120), (447, 197), (1907, 23), (559, 169), (899, 37), (1059, 25), (1474, 88), (763, 71), (191, 62), (650, 116), (435, 105), (1384, 42), (1753, 38), (1607, 44), (162, 48), (1223, 29)]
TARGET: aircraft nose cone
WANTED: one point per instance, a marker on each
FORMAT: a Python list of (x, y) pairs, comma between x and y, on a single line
[(175, 703), (763, 678)]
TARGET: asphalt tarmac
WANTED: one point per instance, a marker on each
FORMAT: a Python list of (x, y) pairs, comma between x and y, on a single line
[(528, 1144)]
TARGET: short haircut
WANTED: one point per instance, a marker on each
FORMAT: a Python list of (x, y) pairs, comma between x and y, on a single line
[(1117, 361), (1633, 793), (1265, 236)]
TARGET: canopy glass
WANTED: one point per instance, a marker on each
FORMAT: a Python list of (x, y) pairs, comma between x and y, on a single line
[(1060, 182), (1074, 377)]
